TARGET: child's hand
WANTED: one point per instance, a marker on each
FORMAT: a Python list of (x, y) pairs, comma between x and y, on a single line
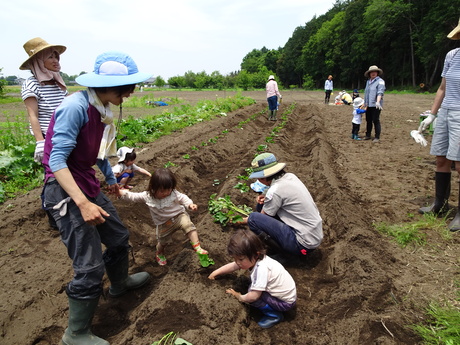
[(212, 276), (192, 207), (232, 292), (123, 192)]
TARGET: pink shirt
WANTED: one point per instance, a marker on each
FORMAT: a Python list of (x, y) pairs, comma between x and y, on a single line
[(272, 89)]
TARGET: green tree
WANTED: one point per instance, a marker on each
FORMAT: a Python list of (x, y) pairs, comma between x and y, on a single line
[(160, 82)]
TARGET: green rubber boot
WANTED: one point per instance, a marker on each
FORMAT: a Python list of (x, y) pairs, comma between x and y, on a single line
[(78, 332), (121, 282), (274, 114)]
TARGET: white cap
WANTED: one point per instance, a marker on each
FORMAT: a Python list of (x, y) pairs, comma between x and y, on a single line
[(121, 153)]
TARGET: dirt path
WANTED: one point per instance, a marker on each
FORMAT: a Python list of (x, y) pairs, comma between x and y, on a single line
[(358, 288)]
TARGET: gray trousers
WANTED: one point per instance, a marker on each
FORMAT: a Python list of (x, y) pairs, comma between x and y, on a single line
[(84, 241)]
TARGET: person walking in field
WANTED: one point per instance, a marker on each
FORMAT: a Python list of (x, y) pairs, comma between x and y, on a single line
[(446, 136), (272, 97), (81, 135)]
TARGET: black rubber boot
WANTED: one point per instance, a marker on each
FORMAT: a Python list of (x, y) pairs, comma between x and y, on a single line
[(121, 282), (442, 190), (81, 314), (454, 225)]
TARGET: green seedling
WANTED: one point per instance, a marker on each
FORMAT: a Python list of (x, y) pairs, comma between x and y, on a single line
[(194, 148), (216, 182), (171, 339), (224, 211), (186, 156), (262, 148), (243, 187), (205, 260), (169, 164)]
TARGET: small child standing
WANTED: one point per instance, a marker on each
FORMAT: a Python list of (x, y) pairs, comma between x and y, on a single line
[(125, 168), (272, 290), (358, 112), (168, 210)]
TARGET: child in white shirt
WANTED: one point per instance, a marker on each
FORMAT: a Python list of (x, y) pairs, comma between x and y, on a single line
[(272, 291), (358, 112), (125, 168), (167, 207)]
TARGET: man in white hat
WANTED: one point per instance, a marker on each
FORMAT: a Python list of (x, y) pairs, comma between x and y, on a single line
[(287, 214), (81, 134), (446, 136)]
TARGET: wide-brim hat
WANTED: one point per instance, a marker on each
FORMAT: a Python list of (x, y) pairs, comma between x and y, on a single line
[(358, 102), (373, 68), (113, 69), (121, 153), (271, 77), (455, 33), (35, 45), (265, 165)]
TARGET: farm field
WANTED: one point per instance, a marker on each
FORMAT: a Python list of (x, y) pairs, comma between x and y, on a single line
[(359, 287)]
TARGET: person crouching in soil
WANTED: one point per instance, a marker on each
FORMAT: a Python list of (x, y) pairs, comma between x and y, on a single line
[(272, 290), (287, 218), (168, 210)]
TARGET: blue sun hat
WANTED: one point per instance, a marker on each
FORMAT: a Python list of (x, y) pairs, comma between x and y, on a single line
[(113, 69), (265, 165)]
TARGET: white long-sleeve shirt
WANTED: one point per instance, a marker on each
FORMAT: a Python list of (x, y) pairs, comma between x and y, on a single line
[(162, 210)]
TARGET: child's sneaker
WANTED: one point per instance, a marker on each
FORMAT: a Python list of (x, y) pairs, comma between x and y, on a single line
[(161, 259)]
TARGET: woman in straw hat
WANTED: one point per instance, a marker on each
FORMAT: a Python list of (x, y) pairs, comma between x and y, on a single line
[(81, 134), (373, 100), (287, 218), (446, 137), (44, 90)]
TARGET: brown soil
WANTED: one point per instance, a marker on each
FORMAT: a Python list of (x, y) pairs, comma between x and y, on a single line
[(358, 288)]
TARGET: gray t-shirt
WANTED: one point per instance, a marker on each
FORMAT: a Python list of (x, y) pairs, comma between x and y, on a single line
[(290, 199)]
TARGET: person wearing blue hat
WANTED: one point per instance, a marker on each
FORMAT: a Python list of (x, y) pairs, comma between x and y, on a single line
[(287, 216), (81, 134)]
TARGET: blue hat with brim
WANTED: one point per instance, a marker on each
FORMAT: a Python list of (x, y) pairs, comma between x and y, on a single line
[(113, 69), (265, 165)]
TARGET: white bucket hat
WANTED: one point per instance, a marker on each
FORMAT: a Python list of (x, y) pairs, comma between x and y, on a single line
[(271, 77), (358, 102), (113, 69), (121, 153)]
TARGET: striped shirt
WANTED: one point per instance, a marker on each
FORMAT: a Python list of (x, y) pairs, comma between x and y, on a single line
[(48, 98), (451, 72)]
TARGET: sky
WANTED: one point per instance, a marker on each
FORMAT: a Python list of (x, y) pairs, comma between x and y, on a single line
[(165, 38)]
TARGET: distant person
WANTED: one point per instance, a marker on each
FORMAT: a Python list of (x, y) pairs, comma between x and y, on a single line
[(358, 112), (286, 215), (272, 97), (272, 290), (445, 142), (125, 168), (168, 208), (355, 94), (346, 98), (373, 100), (78, 138), (328, 87), (42, 92)]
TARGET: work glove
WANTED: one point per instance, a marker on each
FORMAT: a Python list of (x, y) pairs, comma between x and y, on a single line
[(378, 106), (425, 123), (418, 137), (39, 148)]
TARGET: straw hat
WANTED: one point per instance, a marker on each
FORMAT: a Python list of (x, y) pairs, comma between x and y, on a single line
[(373, 68), (113, 69), (35, 45), (455, 33), (265, 165)]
